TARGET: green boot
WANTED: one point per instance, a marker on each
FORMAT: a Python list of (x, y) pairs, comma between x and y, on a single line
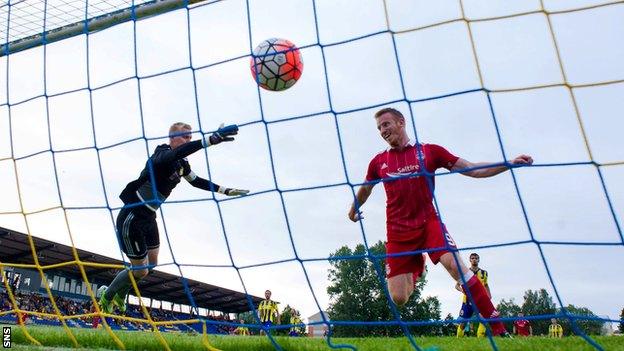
[(105, 304), (120, 302)]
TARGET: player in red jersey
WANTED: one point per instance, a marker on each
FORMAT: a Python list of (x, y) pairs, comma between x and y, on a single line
[(522, 326), (412, 223), (95, 320)]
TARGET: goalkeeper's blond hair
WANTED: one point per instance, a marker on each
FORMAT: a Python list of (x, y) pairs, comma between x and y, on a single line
[(178, 126)]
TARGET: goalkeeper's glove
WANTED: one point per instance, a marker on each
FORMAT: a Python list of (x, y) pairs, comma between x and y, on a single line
[(222, 134), (235, 192)]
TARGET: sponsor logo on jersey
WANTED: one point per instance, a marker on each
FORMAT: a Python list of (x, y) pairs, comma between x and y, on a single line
[(404, 171)]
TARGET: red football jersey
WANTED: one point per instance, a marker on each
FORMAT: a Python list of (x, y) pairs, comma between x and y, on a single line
[(409, 200), (522, 327)]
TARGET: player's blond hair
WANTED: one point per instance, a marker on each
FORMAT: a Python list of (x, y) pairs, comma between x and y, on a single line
[(178, 126), (396, 113)]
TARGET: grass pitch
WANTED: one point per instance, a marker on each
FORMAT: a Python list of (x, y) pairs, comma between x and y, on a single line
[(55, 338)]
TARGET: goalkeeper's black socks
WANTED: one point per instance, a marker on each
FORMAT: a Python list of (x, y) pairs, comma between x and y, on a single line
[(120, 283)]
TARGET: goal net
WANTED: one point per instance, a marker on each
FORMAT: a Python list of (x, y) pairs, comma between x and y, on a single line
[(89, 89)]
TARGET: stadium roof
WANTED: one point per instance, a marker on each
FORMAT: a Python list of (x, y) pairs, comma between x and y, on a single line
[(14, 248)]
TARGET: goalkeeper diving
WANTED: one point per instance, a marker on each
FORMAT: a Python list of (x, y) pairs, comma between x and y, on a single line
[(137, 231)]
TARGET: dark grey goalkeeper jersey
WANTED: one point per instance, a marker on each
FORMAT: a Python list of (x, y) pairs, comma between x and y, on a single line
[(167, 167)]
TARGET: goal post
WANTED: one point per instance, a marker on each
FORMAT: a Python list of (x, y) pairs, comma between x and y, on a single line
[(90, 25)]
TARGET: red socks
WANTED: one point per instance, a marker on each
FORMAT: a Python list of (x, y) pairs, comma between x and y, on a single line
[(484, 304)]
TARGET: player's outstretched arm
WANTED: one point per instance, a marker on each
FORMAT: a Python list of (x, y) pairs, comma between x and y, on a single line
[(496, 168), (224, 133), (235, 192), (165, 156), (361, 197), (207, 185)]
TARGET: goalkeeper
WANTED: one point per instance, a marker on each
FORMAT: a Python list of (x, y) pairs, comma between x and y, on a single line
[(137, 231)]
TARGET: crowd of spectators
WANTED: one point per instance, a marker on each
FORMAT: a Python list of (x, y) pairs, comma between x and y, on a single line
[(37, 302), (34, 302)]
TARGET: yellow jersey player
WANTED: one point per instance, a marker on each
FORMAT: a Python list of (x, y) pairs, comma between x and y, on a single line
[(554, 329), (295, 318), (467, 310), (240, 330), (268, 312)]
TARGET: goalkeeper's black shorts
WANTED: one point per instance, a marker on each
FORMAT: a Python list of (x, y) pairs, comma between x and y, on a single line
[(137, 231)]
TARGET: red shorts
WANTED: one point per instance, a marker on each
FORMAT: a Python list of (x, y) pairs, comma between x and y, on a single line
[(430, 236), (95, 322)]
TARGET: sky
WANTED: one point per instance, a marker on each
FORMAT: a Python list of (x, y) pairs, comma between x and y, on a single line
[(100, 138)]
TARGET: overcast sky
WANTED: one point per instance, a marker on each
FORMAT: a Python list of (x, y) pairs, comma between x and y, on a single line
[(563, 204)]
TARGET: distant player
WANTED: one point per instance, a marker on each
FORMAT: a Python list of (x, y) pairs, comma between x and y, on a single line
[(95, 320), (522, 326), (467, 310), (412, 222), (554, 329), (295, 319), (240, 330), (268, 312), (137, 231)]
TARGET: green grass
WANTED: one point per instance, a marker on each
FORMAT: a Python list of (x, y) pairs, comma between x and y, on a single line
[(54, 338)]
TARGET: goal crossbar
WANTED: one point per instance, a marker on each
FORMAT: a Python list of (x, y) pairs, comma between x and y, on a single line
[(136, 12)]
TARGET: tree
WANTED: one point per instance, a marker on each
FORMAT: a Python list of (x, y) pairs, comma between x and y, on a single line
[(621, 326), (538, 303), (357, 294), (449, 328), (285, 320), (508, 309), (590, 327), (249, 317)]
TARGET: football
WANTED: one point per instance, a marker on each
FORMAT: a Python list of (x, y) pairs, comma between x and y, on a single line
[(276, 64)]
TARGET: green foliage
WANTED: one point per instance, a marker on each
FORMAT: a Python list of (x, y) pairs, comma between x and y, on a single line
[(249, 318), (356, 294), (590, 327), (538, 303), (621, 326), (509, 309), (284, 320), (285, 316), (449, 328)]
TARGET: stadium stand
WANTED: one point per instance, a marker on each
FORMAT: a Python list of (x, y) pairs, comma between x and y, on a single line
[(71, 294)]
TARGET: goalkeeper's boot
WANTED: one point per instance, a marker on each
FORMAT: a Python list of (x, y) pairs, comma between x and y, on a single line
[(120, 302), (105, 305)]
